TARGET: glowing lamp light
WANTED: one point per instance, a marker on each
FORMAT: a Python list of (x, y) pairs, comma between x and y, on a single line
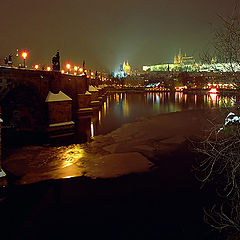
[(68, 66), (24, 55), (62, 71), (92, 73), (213, 91), (36, 66), (75, 68), (48, 69), (81, 69), (75, 73)]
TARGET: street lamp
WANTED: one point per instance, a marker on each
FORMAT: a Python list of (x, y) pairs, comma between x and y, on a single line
[(68, 66), (24, 56)]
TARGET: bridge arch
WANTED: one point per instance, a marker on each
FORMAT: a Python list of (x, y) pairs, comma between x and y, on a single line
[(24, 116)]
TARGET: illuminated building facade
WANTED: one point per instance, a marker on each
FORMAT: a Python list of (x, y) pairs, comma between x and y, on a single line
[(180, 59), (180, 63), (124, 71), (126, 68), (184, 63)]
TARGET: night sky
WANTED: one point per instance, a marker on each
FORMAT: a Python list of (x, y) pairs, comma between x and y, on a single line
[(106, 32)]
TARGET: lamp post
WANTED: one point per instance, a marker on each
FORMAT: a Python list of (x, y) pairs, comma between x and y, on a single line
[(24, 56), (68, 66)]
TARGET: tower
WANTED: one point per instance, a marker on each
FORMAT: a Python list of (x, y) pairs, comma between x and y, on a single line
[(126, 68), (175, 60), (180, 56)]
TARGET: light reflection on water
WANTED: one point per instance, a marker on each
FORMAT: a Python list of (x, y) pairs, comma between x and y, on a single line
[(120, 108), (70, 161)]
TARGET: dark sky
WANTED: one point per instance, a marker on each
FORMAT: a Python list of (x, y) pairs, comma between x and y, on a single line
[(106, 32)]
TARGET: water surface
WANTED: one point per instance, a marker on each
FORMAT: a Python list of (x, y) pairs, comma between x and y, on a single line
[(120, 108)]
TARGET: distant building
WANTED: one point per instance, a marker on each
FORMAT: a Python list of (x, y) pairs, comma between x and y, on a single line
[(126, 68), (180, 63), (180, 59), (184, 63)]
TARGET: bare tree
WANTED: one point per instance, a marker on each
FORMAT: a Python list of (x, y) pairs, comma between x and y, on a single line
[(220, 165), (220, 150), (225, 48)]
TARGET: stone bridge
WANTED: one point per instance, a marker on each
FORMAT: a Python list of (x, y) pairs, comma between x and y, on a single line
[(27, 102)]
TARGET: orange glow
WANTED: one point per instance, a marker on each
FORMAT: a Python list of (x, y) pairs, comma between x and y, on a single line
[(213, 97), (92, 129), (62, 71), (213, 90), (36, 66), (92, 73), (81, 69), (48, 69), (75, 68), (24, 55), (68, 66), (75, 73)]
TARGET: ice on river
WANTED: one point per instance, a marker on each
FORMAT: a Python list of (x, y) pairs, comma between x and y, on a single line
[(128, 149)]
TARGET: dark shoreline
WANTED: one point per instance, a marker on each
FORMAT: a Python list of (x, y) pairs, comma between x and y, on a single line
[(165, 203)]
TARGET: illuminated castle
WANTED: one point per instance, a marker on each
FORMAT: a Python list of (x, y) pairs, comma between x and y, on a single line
[(180, 59), (126, 68)]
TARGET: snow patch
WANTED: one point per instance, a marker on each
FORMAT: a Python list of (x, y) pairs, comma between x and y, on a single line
[(59, 97), (92, 89)]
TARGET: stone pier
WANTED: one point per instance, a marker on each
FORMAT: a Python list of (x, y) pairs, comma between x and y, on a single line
[(59, 115), (84, 115)]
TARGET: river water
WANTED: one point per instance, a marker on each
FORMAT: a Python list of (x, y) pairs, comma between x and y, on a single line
[(100, 157), (165, 204), (120, 108)]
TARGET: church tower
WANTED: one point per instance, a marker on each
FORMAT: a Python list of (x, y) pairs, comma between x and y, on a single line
[(180, 56), (126, 68), (175, 60)]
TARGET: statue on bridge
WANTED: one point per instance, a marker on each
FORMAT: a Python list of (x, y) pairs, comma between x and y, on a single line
[(8, 60), (56, 62)]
